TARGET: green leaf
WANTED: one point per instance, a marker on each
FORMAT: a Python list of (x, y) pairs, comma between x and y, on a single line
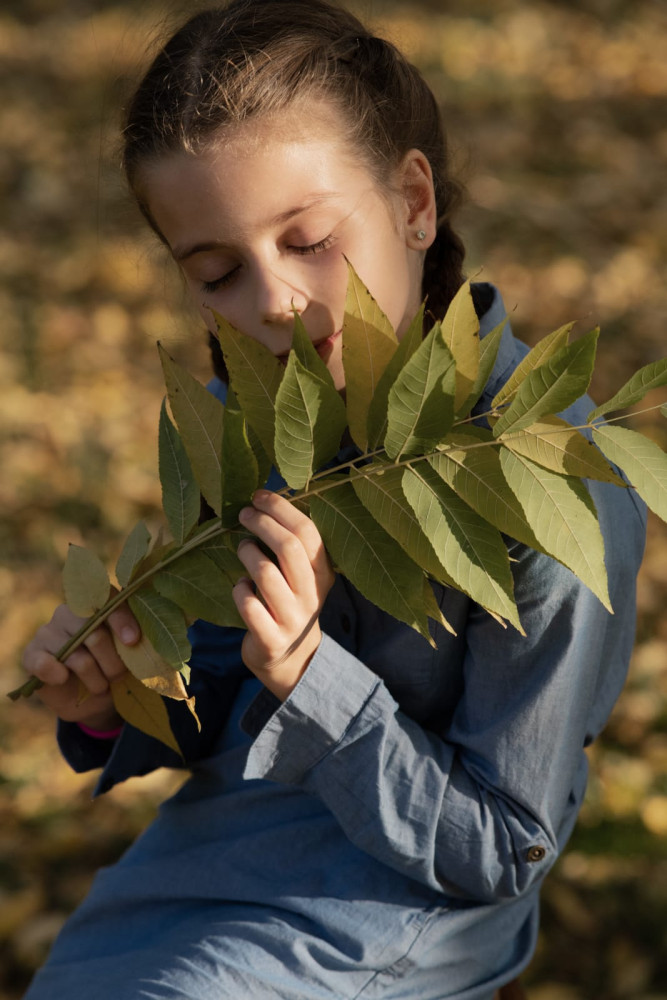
[(159, 549), (163, 624), (380, 489), (144, 709), (310, 416), (255, 375), (180, 493), (307, 354), (551, 387), (650, 377), (471, 550), (460, 330), (543, 350), (222, 550), (488, 352), (262, 459), (135, 549), (198, 415), (86, 582), (377, 411), (554, 444), (369, 343), (240, 469), (470, 465), (642, 460), (421, 400), (370, 559), (200, 588), (561, 513)]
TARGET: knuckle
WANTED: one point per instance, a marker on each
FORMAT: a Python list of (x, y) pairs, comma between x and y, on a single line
[(265, 573), (80, 662), (97, 640), (39, 663), (291, 546)]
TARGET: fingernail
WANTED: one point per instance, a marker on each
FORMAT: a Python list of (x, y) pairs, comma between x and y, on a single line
[(128, 634), (261, 495), (246, 514)]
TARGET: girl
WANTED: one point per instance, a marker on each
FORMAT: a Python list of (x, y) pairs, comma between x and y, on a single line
[(366, 817)]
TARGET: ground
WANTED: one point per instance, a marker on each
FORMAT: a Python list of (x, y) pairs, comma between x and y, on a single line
[(558, 118)]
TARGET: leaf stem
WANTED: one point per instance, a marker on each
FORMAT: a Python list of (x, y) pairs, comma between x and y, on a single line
[(34, 684), (216, 529)]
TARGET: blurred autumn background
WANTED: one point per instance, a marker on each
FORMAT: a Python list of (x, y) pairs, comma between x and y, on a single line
[(558, 113)]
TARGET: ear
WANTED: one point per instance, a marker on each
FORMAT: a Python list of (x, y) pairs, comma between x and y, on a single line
[(415, 181)]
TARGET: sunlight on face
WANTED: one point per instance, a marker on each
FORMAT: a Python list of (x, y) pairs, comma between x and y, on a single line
[(262, 221)]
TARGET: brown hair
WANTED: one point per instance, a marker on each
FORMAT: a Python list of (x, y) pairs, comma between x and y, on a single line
[(254, 57)]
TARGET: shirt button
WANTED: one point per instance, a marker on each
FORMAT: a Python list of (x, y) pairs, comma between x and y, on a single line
[(535, 854), (345, 623)]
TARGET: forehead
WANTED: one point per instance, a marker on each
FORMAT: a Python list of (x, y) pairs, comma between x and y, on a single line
[(253, 174)]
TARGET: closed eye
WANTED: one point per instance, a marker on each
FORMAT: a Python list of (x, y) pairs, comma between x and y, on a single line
[(315, 247), (212, 286), (225, 279)]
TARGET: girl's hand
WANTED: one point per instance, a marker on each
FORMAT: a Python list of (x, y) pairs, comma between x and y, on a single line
[(282, 609), (91, 667)]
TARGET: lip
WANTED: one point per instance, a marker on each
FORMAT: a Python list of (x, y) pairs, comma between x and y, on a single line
[(323, 347)]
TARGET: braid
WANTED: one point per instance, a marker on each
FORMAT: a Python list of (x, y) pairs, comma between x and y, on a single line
[(443, 270)]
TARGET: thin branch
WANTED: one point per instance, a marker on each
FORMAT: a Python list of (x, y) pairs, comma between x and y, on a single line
[(320, 479)]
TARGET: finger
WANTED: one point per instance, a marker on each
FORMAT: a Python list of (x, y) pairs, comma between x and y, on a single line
[(39, 657), (86, 668), (53, 673), (287, 514), (293, 559), (101, 646), (125, 625), (40, 663), (272, 587), (304, 529), (254, 612), (66, 621)]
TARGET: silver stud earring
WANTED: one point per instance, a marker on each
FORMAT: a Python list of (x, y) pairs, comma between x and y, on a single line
[(421, 235)]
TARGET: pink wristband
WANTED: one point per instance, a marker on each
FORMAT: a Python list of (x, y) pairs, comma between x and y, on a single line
[(97, 734)]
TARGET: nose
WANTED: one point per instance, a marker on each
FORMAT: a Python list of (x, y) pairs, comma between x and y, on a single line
[(278, 298)]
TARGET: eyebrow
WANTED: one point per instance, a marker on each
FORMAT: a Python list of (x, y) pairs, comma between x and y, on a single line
[(182, 253)]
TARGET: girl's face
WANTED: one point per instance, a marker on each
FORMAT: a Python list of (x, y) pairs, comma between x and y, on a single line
[(261, 224)]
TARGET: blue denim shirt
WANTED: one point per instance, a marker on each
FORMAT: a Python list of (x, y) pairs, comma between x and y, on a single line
[(385, 830)]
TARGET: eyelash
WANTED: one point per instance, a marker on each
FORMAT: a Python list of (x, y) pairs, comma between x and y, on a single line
[(212, 286)]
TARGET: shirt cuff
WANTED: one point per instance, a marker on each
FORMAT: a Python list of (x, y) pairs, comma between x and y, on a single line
[(298, 733)]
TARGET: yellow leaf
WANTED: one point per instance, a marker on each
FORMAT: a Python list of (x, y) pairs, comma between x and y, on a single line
[(369, 343), (144, 709), (142, 660), (173, 687), (460, 331), (541, 352), (556, 445), (154, 672)]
